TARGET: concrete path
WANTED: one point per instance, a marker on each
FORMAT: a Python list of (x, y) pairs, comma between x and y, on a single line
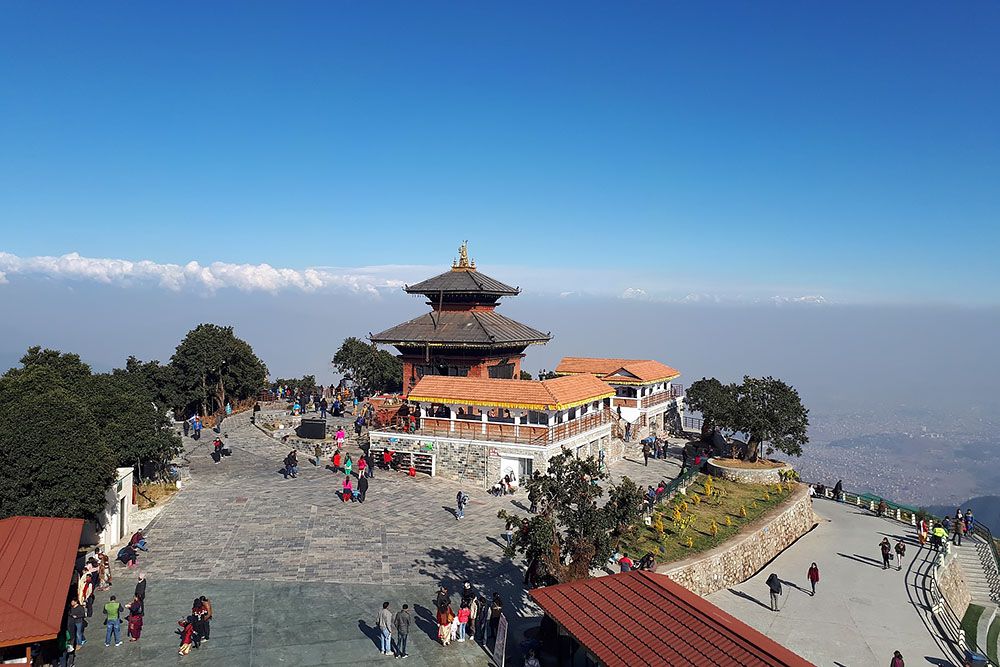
[(860, 614)]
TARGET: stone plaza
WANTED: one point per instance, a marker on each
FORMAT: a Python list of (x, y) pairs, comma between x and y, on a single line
[(297, 577)]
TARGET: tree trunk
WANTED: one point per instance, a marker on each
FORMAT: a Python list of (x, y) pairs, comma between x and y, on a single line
[(753, 448)]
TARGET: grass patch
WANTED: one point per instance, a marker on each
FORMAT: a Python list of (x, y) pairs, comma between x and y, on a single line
[(970, 623), (157, 493), (992, 637), (713, 510)]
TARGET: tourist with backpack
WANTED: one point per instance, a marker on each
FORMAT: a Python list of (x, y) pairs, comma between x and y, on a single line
[(460, 501)]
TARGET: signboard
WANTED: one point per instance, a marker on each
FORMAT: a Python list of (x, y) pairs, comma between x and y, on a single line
[(500, 644)]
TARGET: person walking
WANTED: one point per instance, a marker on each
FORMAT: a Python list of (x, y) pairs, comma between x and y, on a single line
[(969, 521), (347, 489), (886, 549), (340, 437), (362, 465), (362, 488), (813, 577), (77, 618), (645, 454), (113, 619), (460, 501), (401, 624), (774, 586), (922, 531), (359, 424), (140, 587), (508, 533), (336, 461), (897, 660), (900, 549), (348, 465), (323, 405), (384, 624), (958, 529), (135, 613)]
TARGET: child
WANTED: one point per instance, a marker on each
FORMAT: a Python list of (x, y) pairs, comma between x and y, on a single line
[(348, 490)]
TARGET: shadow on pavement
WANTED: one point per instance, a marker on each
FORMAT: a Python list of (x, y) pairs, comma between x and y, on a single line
[(371, 632), (747, 596), (863, 559)]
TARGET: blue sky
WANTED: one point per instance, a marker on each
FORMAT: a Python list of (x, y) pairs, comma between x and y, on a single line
[(850, 149)]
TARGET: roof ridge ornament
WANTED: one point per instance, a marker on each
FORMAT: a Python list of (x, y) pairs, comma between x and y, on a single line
[(463, 263)]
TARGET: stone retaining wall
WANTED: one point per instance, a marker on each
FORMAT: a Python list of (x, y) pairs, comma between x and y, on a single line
[(479, 461), (747, 475), (951, 580), (741, 557)]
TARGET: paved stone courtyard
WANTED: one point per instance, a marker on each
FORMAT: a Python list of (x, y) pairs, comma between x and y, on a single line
[(297, 576)]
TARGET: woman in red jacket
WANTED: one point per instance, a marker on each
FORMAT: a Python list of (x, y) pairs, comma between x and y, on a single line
[(813, 576), (187, 635)]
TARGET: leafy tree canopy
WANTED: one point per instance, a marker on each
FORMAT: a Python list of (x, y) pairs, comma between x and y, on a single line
[(211, 367), (53, 459), (572, 533), (766, 410), (371, 369), (304, 383)]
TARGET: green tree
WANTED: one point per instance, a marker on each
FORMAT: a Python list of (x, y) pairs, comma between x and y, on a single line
[(770, 412), (715, 401), (53, 459), (765, 410), (572, 533), (211, 367), (305, 383), (134, 426), (371, 369), (525, 375)]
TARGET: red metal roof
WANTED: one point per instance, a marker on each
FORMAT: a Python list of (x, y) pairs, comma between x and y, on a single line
[(642, 618), (38, 554)]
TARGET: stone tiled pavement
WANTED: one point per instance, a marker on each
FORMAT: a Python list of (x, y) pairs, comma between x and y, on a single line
[(242, 534)]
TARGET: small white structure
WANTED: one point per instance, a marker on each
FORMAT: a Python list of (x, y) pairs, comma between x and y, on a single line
[(116, 515)]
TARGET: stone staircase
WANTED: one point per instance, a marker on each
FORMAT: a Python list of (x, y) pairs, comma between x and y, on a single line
[(980, 570), (981, 575)]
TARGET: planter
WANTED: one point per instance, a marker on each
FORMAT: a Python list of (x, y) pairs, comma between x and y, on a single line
[(748, 475)]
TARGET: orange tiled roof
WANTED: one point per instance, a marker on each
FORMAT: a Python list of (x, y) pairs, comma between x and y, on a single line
[(38, 554), (626, 371), (555, 394)]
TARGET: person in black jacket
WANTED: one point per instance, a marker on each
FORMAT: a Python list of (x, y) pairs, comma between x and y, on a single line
[(140, 587), (774, 585), (362, 488)]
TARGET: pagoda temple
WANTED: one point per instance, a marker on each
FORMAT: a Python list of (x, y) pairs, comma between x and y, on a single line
[(463, 335)]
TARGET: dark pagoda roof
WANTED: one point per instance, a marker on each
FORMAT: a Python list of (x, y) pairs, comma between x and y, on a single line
[(462, 281), (463, 328)]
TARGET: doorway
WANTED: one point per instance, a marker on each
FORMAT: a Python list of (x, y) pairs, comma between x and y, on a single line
[(520, 468)]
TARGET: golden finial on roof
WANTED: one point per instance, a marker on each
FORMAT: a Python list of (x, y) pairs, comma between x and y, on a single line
[(463, 262)]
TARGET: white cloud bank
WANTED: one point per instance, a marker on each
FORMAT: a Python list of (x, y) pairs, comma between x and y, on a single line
[(209, 277)]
